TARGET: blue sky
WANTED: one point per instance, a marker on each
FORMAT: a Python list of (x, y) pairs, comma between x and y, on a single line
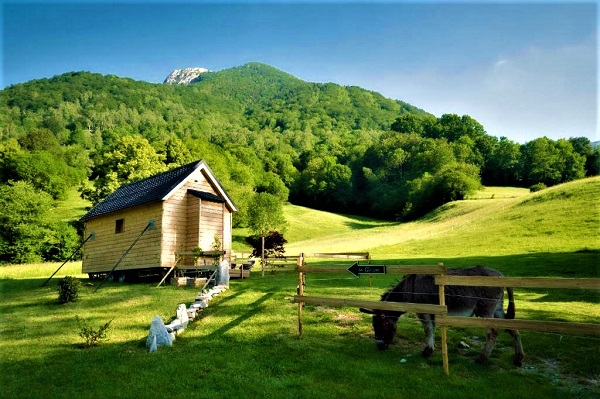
[(523, 70)]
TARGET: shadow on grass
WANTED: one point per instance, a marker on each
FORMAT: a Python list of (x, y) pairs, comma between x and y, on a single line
[(255, 308), (365, 225)]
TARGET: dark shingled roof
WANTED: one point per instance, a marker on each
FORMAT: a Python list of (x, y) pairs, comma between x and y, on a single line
[(145, 191)]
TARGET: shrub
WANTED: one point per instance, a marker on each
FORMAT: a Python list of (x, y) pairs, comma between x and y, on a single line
[(90, 335), (274, 244), (68, 289), (537, 187), (24, 213)]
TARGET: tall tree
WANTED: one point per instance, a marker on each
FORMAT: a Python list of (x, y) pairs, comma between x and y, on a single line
[(128, 159), (24, 217), (572, 162), (583, 146), (503, 166), (265, 214), (325, 183), (540, 162)]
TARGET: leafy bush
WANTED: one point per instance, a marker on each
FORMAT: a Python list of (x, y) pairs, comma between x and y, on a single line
[(68, 289), (90, 335), (24, 219), (274, 244), (537, 187), (61, 243)]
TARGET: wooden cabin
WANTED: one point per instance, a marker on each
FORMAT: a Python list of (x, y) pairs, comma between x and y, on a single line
[(169, 213)]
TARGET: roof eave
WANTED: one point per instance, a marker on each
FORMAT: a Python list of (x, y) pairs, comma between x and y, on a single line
[(202, 166)]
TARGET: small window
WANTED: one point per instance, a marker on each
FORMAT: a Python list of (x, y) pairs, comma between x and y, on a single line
[(119, 226)]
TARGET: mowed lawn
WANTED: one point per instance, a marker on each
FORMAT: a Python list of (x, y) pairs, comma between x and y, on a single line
[(246, 344)]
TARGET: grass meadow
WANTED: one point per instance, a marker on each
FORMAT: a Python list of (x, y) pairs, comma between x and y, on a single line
[(246, 345)]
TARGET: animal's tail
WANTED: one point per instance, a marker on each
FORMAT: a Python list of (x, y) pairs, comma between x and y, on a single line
[(510, 312)]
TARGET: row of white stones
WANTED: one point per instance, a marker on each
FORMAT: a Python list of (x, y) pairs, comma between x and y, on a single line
[(161, 334)]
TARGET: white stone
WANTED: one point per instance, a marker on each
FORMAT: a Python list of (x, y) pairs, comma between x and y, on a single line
[(174, 326), (200, 304), (223, 273), (158, 335), (182, 315)]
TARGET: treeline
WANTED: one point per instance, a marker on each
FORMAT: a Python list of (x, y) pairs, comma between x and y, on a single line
[(342, 149), (424, 162)]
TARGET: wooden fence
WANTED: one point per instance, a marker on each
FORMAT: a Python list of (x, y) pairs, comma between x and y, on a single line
[(442, 318)]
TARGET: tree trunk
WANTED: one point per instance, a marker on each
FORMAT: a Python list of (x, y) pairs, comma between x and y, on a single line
[(262, 255)]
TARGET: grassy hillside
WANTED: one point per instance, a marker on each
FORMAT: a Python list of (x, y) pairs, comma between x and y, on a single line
[(497, 221)]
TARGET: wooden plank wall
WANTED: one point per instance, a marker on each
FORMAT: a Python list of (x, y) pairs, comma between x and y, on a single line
[(175, 221), (101, 253), (192, 232), (211, 224)]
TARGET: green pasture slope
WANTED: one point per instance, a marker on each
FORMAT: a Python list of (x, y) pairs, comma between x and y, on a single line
[(245, 344)]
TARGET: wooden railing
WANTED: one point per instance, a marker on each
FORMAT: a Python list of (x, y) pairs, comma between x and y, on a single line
[(442, 318)]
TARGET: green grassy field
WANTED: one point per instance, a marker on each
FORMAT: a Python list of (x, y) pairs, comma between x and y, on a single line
[(563, 218), (245, 344)]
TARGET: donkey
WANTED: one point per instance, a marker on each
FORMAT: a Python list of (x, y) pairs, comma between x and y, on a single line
[(460, 301)]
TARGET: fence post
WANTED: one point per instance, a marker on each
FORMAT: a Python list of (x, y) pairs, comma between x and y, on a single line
[(444, 330), (300, 304)]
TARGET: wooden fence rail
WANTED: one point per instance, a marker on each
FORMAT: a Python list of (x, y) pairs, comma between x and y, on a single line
[(390, 269), (339, 255), (397, 306), (442, 318), (514, 324), (531, 282)]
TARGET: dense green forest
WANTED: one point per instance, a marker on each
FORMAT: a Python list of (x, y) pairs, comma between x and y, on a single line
[(326, 146)]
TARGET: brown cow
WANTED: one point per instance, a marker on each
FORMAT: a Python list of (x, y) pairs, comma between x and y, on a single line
[(460, 300)]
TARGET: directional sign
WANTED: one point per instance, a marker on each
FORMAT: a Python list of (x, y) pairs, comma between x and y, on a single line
[(357, 269)]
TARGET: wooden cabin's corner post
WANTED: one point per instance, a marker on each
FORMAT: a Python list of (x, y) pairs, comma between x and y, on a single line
[(444, 328)]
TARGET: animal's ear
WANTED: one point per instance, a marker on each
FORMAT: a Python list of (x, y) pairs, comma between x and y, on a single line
[(367, 311)]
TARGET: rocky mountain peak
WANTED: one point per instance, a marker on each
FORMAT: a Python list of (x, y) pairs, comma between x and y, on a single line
[(185, 76)]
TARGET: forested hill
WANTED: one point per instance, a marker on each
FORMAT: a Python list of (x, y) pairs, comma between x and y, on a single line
[(274, 99), (326, 146), (254, 96)]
